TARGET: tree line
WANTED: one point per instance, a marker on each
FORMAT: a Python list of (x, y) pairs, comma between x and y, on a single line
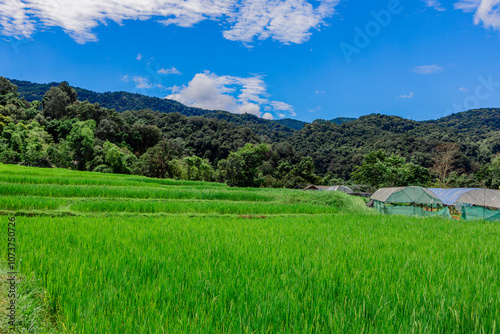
[(59, 130)]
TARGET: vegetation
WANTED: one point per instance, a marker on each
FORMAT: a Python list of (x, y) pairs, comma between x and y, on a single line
[(158, 255), (46, 125)]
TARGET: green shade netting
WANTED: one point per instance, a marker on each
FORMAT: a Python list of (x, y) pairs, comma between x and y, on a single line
[(409, 210), (477, 212), (410, 194)]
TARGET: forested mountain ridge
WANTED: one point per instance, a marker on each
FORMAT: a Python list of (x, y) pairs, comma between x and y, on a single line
[(123, 101), (289, 151)]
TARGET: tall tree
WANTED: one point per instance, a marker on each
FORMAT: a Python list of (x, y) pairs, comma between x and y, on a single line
[(7, 87), (445, 158)]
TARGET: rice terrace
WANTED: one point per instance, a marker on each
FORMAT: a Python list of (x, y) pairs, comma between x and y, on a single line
[(145, 255), (249, 166)]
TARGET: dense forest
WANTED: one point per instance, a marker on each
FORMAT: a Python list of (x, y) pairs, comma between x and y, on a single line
[(55, 125)]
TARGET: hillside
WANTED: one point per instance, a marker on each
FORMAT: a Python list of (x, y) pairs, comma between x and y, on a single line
[(336, 146), (337, 149), (123, 101)]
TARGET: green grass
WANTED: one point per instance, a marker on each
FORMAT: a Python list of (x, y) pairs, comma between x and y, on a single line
[(162, 256)]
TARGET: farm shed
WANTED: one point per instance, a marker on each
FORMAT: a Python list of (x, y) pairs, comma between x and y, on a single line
[(410, 201), (472, 203)]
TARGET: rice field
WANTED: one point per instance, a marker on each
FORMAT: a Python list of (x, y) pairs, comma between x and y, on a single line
[(123, 255)]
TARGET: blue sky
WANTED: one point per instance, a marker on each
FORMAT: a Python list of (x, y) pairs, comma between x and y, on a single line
[(420, 59)]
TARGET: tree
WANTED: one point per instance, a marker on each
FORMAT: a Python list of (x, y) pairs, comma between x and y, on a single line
[(120, 160), (445, 159), (81, 141), (240, 169), (71, 92), (380, 170), (55, 102), (368, 173), (7, 87), (157, 161)]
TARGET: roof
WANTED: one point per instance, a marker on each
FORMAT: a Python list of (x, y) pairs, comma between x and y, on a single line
[(406, 195), (450, 196), (313, 187), (472, 196), (330, 188), (344, 189)]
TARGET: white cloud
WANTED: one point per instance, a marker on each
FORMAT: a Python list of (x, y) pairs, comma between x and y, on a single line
[(282, 106), (234, 94), (287, 21), (139, 57), (486, 11), (463, 89), (14, 19), (171, 70), (434, 4), (125, 78), (142, 82), (267, 116), (315, 109), (282, 115), (427, 69), (407, 96)]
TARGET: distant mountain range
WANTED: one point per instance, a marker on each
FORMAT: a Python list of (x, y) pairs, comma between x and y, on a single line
[(122, 101), (337, 145)]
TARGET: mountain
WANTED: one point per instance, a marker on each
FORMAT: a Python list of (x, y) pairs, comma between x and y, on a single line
[(340, 120), (123, 101), (336, 146), (291, 123)]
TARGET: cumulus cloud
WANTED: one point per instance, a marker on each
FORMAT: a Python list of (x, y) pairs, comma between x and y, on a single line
[(463, 89), (268, 116), (139, 57), (485, 11), (234, 94), (171, 70), (434, 4), (427, 69), (288, 21), (407, 96)]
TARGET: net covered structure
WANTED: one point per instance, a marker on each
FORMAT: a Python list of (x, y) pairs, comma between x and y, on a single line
[(458, 203), (409, 201), (472, 203)]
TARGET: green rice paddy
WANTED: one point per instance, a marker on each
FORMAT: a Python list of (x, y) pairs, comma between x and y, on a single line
[(125, 254)]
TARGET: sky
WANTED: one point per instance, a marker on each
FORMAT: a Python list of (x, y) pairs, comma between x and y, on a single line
[(301, 59)]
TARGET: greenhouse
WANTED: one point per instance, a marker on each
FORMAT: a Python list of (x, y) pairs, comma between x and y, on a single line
[(343, 189), (471, 203), (410, 201)]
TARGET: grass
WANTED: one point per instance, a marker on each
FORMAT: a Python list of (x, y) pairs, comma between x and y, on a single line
[(159, 257), (208, 274)]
